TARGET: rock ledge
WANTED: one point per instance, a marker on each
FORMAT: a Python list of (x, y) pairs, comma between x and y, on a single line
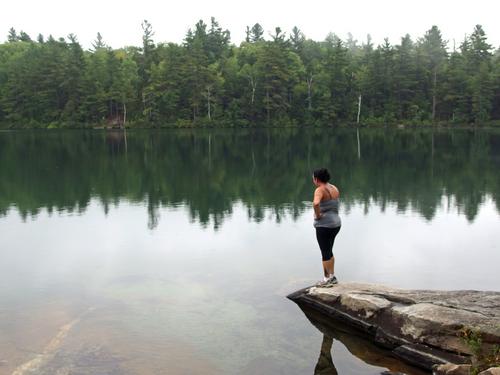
[(421, 327)]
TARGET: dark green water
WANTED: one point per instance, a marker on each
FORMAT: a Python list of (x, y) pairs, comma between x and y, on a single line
[(173, 251)]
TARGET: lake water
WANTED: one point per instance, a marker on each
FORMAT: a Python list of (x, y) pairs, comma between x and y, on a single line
[(171, 252)]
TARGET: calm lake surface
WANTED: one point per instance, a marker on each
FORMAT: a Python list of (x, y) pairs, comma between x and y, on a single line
[(173, 251)]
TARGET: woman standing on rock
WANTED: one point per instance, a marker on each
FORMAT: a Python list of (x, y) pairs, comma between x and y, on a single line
[(326, 221)]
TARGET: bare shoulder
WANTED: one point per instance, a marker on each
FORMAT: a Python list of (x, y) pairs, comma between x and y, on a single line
[(336, 191), (318, 192), (318, 195)]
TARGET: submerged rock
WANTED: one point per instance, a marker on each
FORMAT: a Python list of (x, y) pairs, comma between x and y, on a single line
[(422, 327)]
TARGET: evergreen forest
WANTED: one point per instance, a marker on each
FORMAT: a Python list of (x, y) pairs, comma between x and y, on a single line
[(277, 78)]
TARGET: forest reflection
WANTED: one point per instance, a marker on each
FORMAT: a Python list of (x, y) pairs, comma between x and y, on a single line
[(267, 170)]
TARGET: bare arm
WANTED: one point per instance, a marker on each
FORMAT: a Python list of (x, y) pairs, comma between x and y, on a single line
[(318, 194)]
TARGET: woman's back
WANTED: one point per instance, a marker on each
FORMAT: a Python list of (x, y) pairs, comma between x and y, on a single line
[(329, 208)]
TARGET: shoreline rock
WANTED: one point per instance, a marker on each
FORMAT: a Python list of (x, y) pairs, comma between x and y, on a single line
[(423, 328)]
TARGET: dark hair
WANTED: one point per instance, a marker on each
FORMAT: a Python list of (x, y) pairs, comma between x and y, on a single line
[(322, 175)]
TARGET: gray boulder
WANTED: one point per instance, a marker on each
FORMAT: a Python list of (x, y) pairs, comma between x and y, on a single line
[(422, 327)]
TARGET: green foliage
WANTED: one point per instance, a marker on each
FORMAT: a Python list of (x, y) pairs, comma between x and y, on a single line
[(279, 80), (482, 358)]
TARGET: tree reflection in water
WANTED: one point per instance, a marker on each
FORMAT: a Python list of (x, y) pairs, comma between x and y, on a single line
[(267, 170)]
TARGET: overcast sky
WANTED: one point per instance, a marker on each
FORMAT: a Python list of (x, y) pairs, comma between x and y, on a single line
[(120, 21)]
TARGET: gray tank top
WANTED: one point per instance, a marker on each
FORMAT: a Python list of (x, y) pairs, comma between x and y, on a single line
[(329, 214)]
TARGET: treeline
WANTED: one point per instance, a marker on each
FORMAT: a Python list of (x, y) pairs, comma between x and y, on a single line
[(281, 79)]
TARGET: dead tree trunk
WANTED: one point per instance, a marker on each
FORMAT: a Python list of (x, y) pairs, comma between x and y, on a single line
[(359, 109), (124, 114), (253, 85), (208, 103)]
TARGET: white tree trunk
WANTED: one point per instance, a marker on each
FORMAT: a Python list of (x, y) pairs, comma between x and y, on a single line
[(359, 109), (124, 114), (253, 83)]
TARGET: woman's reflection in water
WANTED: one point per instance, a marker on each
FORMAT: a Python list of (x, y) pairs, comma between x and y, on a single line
[(325, 364)]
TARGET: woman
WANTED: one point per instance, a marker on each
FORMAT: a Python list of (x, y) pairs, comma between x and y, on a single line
[(326, 221)]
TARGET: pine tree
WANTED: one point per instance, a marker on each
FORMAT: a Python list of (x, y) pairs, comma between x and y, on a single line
[(146, 62), (24, 37), (481, 80), (434, 49), (404, 77), (98, 43), (297, 39), (256, 33), (273, 68), (12, 36)]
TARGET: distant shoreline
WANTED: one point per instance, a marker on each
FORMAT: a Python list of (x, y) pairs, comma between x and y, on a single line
[(215, 126)]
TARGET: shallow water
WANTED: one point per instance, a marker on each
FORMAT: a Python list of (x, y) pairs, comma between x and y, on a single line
[(173, 251)]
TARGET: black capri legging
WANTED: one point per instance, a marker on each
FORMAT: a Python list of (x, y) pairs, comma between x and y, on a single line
[(326, 238)]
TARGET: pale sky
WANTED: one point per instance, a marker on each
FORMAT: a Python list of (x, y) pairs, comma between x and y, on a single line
[(120, 21)]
